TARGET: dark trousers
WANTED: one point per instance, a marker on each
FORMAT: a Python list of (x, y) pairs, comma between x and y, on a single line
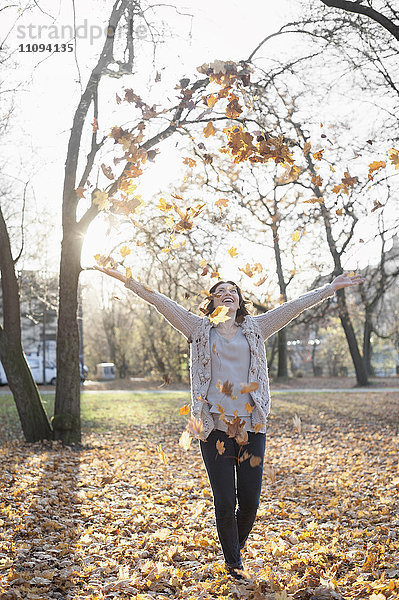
[(234, 482)]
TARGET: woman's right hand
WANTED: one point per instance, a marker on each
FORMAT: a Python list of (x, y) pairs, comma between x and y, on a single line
[(112, 273)]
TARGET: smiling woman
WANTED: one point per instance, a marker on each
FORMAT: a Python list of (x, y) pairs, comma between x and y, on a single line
[(230, 395)]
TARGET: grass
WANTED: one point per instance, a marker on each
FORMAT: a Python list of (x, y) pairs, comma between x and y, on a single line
[(103, 411)]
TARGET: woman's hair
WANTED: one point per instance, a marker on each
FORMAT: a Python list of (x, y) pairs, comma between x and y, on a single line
[(207, 306)]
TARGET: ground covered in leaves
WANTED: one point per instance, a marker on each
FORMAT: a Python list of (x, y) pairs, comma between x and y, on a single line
[(111, 520)]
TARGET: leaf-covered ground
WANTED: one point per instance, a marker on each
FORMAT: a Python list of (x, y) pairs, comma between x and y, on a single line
[(110, 520)]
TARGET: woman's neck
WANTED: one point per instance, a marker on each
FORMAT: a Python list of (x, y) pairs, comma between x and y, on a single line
[(229, 325)]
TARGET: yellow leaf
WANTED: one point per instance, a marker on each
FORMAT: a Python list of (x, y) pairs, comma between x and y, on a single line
[(296, 236), (249, 408), (164, 205), (339, 211), (163, 456), (220, 447), (233, 252), (219, 315), (393, 156), (185, 409), (190, 162), (128, 273), (318, 155), (222, 203), (258, 427), (203, 263), (125, 251), (209, 130)]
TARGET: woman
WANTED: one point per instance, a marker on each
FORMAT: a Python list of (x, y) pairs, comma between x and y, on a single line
[(230, 394)]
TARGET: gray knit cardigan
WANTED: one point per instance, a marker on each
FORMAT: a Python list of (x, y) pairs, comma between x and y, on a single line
[(256, 329)]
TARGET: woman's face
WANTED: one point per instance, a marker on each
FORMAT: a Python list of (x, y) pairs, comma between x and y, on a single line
[(226, 294)]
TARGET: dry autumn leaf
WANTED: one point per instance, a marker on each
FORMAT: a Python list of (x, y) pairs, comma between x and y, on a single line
[(220, 447), (185, 410), (249, 387), (219, 315), (233, 252), (209, 130), (162, 455)]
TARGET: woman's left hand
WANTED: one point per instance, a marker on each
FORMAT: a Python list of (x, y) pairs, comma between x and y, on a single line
[(346, 280)]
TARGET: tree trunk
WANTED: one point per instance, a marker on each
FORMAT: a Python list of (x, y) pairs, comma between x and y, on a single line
[(361, 373), (33, 417), (66, 422), (367, 331), (282, 369)]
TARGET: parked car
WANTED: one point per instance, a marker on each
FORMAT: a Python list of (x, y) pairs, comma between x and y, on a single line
[(36, 366)]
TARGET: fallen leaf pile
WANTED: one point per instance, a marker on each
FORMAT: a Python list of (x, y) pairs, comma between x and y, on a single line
[(129, 514)]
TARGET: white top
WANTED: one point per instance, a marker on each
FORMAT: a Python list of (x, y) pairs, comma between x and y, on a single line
[(230, 361)]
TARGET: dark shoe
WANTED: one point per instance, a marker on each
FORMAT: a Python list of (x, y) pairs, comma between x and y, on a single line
[(234, 573)]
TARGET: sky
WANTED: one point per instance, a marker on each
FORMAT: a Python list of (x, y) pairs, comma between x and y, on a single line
[(49, 84)]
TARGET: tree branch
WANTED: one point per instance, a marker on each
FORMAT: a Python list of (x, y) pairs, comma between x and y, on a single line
[(368, 11)]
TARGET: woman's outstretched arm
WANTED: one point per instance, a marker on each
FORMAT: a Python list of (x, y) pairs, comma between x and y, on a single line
[(178, 316), (275, 319)]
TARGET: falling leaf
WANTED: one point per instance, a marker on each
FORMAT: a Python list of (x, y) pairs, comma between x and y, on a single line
[(211, 100), (261, 281), (125, 251), (376, 204), (164, 205), (297, 423), (393, 156), (128, 273), (220, 447), (226, 388), (296, 236), (248, 407), (317, 180), (233, 252), (195, 428), (255, 461), (164, 458), (190, 162), (339, 212), (219, 315), (314, 201), (249, 387), (214, 348), (209, 130), (107, 171), (94, 125), (185, 410), (318, 155), (236, 430), (222, 203), (375, 166), (258, 427), (185, 440), (100, 199)]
